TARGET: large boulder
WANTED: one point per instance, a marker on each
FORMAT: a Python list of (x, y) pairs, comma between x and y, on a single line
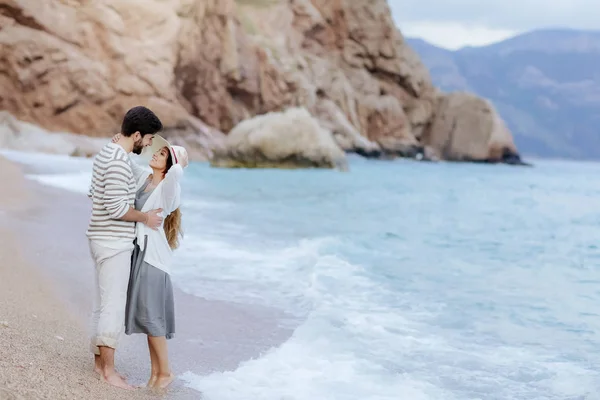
[(468, 128), (289, 139)]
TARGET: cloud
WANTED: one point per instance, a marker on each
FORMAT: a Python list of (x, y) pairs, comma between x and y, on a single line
[(457, 23), (452, 35), (509, 15)]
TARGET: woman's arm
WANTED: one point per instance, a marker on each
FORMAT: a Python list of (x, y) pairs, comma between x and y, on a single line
[(171, 188)]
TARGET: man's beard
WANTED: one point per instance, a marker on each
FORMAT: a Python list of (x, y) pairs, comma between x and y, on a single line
[(138, 147)]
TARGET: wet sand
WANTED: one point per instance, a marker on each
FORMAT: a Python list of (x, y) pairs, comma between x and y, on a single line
[(46, 287)]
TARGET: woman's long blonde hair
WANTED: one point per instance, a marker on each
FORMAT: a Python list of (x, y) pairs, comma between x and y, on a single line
[(172, 225), (173, 229)]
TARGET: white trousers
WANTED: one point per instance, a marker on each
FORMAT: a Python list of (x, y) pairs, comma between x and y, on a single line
[(112, 279)]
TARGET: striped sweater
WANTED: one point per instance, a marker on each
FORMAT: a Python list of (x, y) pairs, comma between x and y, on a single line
[(112, 191)]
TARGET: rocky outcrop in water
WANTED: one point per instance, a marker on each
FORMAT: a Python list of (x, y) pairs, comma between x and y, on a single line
[(457, 118), (290, 139), (207, 65)]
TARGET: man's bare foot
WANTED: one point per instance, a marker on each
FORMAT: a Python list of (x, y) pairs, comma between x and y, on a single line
[(163, 381), (114, 379), (98, 370), (97, 365)]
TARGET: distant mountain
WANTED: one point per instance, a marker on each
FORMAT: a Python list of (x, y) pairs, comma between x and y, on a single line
[(545, 84)]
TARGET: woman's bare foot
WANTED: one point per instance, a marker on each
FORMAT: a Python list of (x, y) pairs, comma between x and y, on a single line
[(152, 380), (114, 379), (163, 381)]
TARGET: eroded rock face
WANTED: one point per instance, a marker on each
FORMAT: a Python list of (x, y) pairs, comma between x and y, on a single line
[(356, 58), (79, 65)]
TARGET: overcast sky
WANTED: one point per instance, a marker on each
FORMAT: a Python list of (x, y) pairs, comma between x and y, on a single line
[(456, 23)]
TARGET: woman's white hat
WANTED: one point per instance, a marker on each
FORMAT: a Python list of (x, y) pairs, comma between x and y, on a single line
[(178, 153)]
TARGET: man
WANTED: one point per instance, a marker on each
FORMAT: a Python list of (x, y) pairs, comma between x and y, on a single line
[(111, 232)]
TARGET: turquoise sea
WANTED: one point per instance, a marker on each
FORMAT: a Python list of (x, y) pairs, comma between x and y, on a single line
[(408, 280), (403, 280)]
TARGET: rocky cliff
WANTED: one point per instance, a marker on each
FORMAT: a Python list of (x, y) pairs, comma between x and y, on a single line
[(206, 65)]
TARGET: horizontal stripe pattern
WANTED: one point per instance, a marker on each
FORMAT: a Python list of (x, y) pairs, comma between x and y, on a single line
[(112, 191)]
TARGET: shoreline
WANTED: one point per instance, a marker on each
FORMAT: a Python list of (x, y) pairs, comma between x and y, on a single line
[(47, 224)]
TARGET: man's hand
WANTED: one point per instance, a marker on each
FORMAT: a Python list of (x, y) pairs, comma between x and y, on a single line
[(153, 220), (116, 138)]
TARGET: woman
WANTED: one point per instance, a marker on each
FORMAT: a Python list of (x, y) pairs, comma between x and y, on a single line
[(150, 307)]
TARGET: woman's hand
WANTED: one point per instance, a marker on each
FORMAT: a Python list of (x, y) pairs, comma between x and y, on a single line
[(116, 138)]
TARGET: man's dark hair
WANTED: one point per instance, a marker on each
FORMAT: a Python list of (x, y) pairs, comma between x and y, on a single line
[(140, 119)]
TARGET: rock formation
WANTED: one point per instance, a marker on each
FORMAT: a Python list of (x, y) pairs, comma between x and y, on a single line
[(467, 128), (290, 139), (206, 65), (23, 136)]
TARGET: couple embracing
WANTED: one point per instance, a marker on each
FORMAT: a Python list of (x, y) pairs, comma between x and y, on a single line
[(134, 227)]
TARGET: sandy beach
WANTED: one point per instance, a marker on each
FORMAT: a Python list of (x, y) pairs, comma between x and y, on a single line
[(46, 287)]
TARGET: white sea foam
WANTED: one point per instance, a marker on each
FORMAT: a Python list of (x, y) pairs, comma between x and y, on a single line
[(331, 354), (61, 171), (49, 163), (77, 182), (57, 170), (244, 274), (362, 341), (339, 352), (301, 370)]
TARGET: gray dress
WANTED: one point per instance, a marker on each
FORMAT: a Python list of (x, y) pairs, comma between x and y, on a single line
[(150, 307)]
